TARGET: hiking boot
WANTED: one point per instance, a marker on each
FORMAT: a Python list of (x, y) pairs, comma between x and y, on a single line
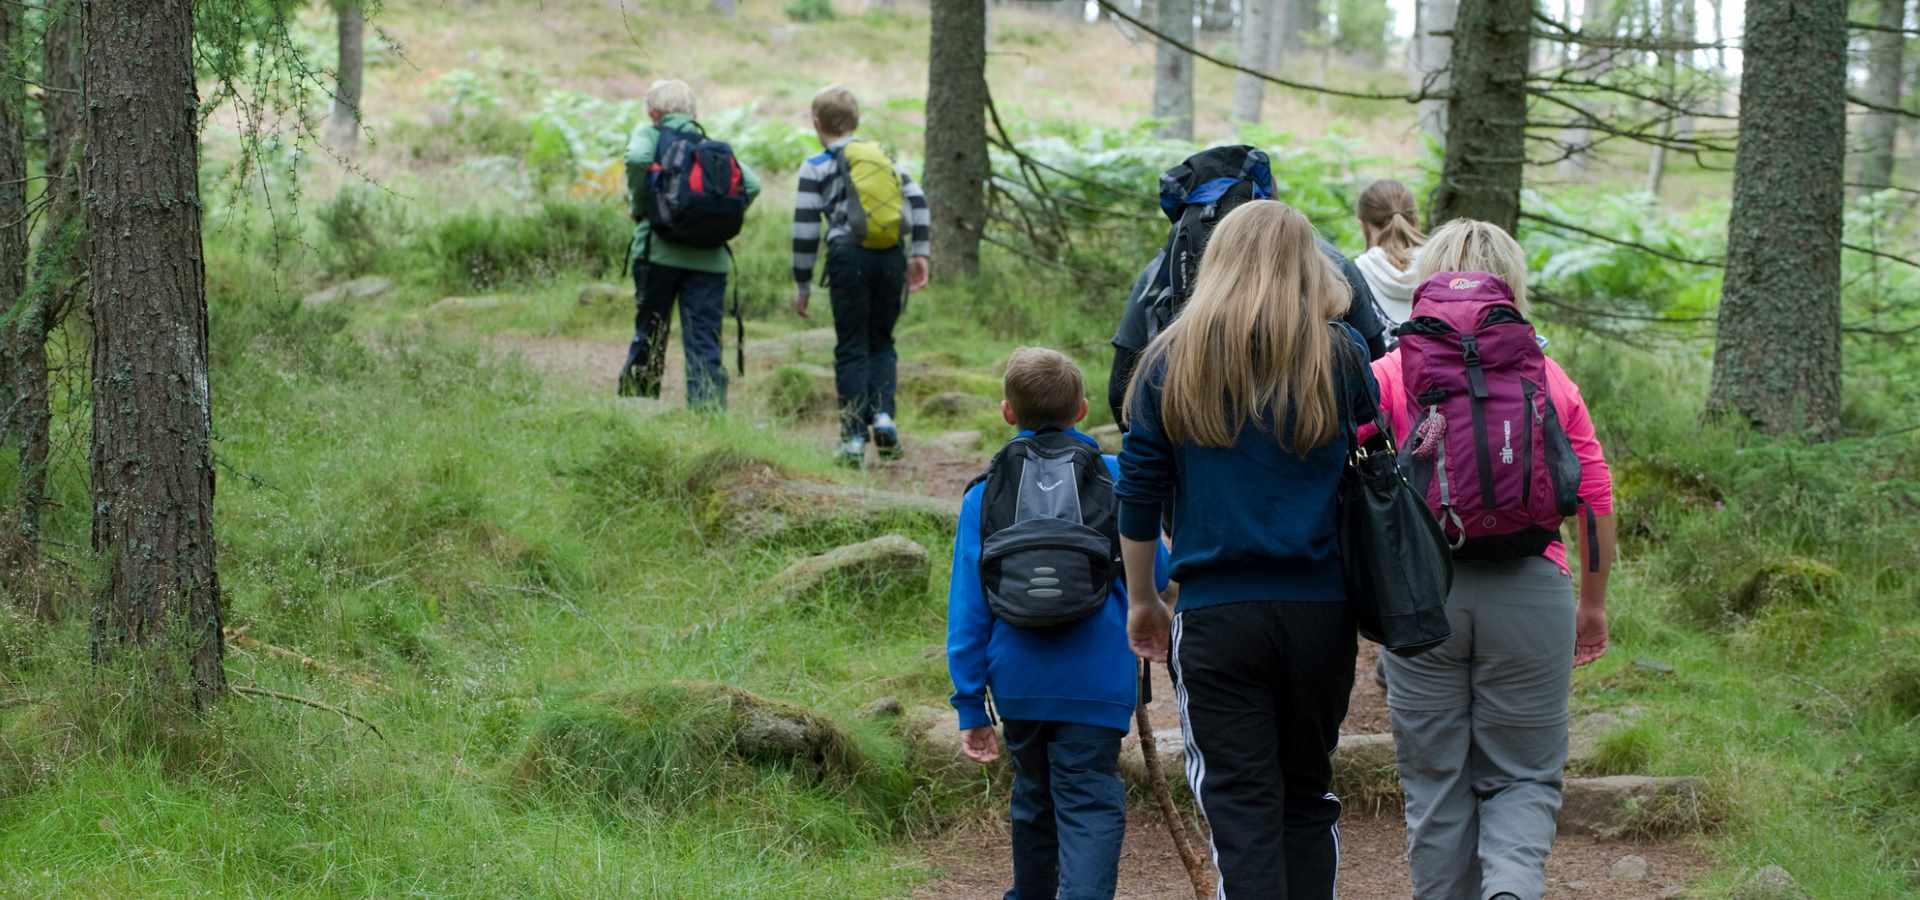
[(853, 452), (886, 436)]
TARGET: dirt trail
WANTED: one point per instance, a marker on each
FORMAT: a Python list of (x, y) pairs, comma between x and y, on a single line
[(973, 859)]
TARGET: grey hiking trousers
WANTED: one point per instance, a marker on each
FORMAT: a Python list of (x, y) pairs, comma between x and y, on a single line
[(1480, 729)]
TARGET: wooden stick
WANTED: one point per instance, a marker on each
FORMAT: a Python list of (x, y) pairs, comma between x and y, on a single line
[(1157, 779), (247, 691), (239, 638)]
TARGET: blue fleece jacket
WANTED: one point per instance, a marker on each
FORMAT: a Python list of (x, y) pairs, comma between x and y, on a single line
[(1251, 522), (1084, 673)]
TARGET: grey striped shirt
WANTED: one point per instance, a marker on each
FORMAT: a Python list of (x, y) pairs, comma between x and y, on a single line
[(818, 197)]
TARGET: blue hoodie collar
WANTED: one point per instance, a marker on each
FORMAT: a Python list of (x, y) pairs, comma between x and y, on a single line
[(1071, 432)]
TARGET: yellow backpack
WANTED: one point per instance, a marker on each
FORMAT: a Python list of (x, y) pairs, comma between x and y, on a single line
[(875, 204)]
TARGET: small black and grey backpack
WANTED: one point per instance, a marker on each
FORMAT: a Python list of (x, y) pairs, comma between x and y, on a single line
[(1049, 531)]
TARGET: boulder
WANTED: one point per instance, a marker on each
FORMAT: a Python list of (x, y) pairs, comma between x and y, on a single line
[(883, 708), (1584, 735), (1172, 750), (758, 503), (1366, 772), (932, 737), (800, 391), (1770, 883), (888, 571), (1632, 806), (955, 405), (599, 292), (358, 290), (1800, 583), (1109, 436), (957, 441), (918, 381)]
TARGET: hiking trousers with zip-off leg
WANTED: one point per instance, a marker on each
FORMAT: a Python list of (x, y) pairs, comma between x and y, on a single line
[(1263, 688), (1480, 728)]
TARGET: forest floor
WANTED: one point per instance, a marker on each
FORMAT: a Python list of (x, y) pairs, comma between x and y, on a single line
[(973, 859)]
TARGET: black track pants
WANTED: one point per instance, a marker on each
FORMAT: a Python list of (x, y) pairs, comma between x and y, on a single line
[(1263, 688)]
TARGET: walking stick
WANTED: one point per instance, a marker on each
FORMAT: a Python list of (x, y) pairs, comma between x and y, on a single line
[(1157, 781)]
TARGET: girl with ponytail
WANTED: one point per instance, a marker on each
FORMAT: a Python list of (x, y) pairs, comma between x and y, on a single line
[(1389, 219)]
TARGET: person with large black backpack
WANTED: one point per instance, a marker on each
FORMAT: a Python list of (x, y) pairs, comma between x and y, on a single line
[(688, 195), (1195, 195)]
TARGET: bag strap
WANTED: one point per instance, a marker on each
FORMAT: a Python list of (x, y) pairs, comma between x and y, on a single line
[(1343, 355), (739, 324)]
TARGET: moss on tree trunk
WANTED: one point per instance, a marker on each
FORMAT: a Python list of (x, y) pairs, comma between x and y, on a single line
[(1486, 114)]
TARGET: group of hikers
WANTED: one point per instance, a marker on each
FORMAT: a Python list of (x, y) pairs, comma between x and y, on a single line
[(1254, 363), (877, 230)]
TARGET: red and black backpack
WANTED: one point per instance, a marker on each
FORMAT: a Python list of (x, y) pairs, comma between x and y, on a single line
[(698, 192)]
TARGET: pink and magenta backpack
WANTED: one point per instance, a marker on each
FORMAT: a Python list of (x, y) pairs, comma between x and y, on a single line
[(1486, 449)]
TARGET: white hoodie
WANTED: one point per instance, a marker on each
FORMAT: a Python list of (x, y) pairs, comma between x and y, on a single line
[(1392, 286)]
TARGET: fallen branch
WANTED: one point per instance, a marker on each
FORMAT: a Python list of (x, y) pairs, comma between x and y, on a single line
[(239, 638), (247, 691), (1157, 779)]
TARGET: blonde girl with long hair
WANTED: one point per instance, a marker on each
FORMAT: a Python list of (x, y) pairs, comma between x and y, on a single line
[(1239, 420), (1481, 720), (1390, 222)]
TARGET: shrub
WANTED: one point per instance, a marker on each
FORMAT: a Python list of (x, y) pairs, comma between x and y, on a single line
[(357, 227), (810, 10), (483, 251)]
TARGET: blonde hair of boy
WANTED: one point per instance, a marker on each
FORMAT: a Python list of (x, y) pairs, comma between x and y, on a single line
[(1254, 337), (670, 96), (1470, 245), (1044, 388), (836, 111)]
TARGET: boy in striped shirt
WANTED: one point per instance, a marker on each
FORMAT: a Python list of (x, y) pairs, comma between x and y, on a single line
[(867, 287)]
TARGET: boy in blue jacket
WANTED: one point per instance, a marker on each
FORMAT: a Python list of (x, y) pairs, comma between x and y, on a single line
[(1066, 694)]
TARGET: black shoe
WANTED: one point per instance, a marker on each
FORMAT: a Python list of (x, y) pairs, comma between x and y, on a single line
[(886, 437)]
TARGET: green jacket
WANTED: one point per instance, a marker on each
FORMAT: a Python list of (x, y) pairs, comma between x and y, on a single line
[(640, 149)]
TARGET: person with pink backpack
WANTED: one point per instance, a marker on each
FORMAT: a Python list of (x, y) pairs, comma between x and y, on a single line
[(1497, 437)]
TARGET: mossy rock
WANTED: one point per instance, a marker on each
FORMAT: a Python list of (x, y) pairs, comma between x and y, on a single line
[(671, 742), (949, 405), (799, 392), (887, 572), (1791, 582)]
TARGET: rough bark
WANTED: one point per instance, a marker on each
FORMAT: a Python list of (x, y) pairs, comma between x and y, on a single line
[(1173, 71), (343, 127), (1250, 93), (1486, 114), (1432, 58), (1776, 362), (152, 413), (1878, 130), (957, 165)]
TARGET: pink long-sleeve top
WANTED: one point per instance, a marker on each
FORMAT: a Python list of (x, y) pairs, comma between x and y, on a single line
[(1596, 482)]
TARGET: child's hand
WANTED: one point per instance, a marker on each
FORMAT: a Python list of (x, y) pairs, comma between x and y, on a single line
[(800, 303), (918, 273), (1149, 628), (982, 745)]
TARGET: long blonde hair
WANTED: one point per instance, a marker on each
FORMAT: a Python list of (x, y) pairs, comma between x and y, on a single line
[(1254, 336), (1470, 245), (1387, 208)]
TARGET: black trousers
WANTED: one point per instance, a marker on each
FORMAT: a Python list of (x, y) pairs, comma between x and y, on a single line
[(1263, 688), (703, 299), (869, 289)]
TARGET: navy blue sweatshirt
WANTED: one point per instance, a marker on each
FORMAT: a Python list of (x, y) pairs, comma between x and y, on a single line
[(1251, 522)]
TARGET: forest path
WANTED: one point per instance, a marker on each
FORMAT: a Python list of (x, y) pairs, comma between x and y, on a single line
[(974, 859)]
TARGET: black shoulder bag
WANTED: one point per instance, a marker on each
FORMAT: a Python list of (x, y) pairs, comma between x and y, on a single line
[(1397, 565)]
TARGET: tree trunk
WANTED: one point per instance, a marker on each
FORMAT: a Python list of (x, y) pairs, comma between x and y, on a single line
[(1487, 114), (1777, 359), (343, 127), (1173, 72), (1878, 130), (13, 215), (1432, 57), (1250, 93), (58, 261), (1216, 15), (1657, 160), (957, 164), (1596, 20), (152, 412)]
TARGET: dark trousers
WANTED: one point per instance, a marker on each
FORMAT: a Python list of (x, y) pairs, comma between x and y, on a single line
[(1069, 810), (703, 300), (1263, 688), (869, 289)]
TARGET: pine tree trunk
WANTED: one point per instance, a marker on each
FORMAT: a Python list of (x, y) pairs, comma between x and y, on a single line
[(13, 224), (1596, 20), (152, 412), (1249, 92), (57, 262), (1432, 59), (343, 127), (1777, 358), (1486, 115), (1878, 130), (957, 164), (1173, 72)]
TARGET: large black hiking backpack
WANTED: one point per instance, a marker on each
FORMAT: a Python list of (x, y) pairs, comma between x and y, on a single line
[(1049, 531), (698, 192), (1196, 195)]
